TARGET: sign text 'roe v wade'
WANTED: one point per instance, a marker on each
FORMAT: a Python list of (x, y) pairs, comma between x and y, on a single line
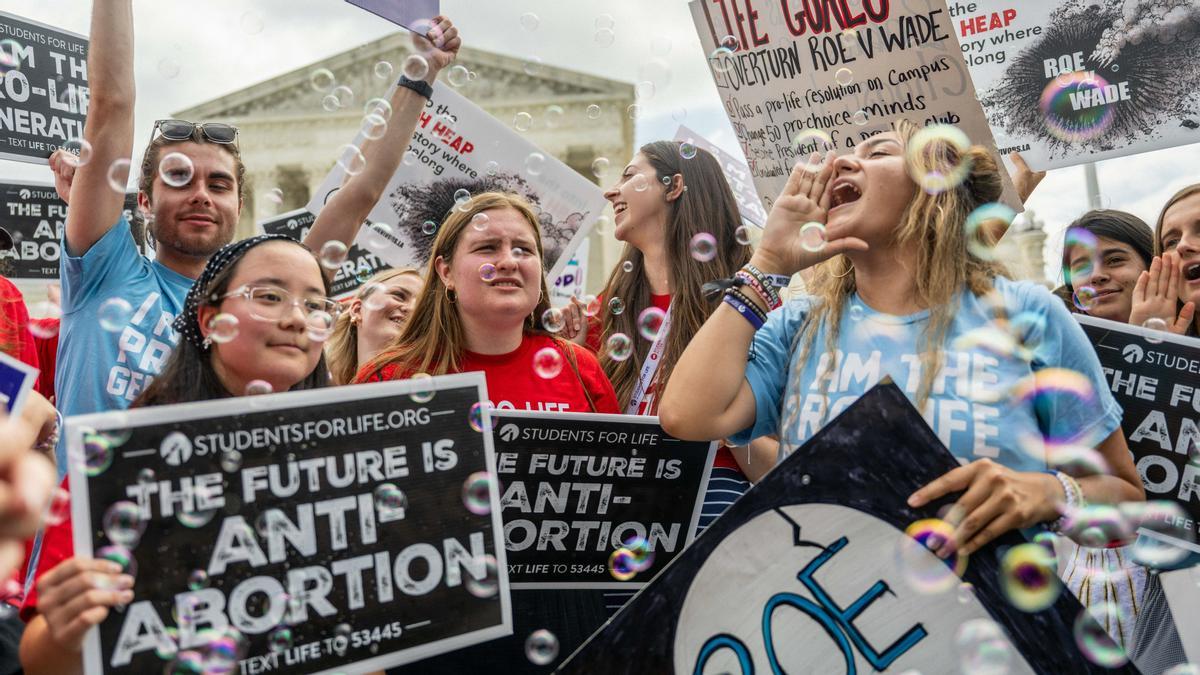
[(43, 88), (1156, 379), (803, 77), (579, 491), (314, 529), (1070, 81)]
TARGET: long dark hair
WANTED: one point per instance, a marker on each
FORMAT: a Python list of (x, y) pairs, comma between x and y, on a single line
[(188, 375), (1116, 225), (707, 206)]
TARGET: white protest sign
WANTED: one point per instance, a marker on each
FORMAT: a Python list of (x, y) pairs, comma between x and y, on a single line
[(737, 174), (1065, 82), (573, 279), (411, 14), (459, 146), (802, 77), (349, 528)]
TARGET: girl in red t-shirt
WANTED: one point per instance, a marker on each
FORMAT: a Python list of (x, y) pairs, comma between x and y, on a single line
[(482, 308)]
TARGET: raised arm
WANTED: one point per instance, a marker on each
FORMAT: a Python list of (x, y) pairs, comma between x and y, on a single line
[(708, 396), (95, 207), (349, 206)]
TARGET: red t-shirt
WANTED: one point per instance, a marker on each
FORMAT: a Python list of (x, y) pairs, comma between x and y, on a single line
[(724, 458), (57, 546), (15, 338), (512, 382)]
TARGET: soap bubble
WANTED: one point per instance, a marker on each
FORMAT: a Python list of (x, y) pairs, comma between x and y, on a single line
[(280, 639), (547, 363), (120, 555), (383, 70), (743, 235), (477, 493), (197, 580), (1064, 120), (231, 461), (428, 227), (703, 247), (333, 254), (390, 501), (59, 508), (982, 226), (489, 584), (604, 37), (114, 314), (223, 328), (534, 163), (1092, 636), (533, 67), (123, 524), (616, 305), (639, 182), (937, 157), (1157, 326), (844, 77), (687, 150), (650, 322), (169, 68), (983, 648), (321, 79), (812, 237), (373, 127), (98, 453), (458, 75), (593, 112), (330, 103), (553, 115), (530, 21), (522, 121), (923, 571), (541, 647), (424, 388), (176, 169), (479, 416), (344, 95), (619, 347), (553, 320), (118, 175), (351, 160), (1028, 577), (378, 106), (622, 564), (487, 272), (415, 67), (600, 166)]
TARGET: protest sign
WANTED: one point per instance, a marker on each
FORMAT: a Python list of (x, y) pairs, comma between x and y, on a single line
[(349, 527), (43, 88), (35, 217), (573, 278), (414, 15), (736, 173), (1154, 376), (802, 77), (576, 488), (1065, 82), (1182, 589), (16, 379), (822, 538), (458, 146), (361, 262)]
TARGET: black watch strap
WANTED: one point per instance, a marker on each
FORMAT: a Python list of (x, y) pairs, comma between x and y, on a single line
[(420, 86)]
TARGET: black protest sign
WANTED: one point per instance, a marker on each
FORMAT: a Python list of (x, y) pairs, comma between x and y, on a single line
[(802, 574), (35, 217), (577, 488), (1155, 377), (317, 529), (360, 263), (43, 88)]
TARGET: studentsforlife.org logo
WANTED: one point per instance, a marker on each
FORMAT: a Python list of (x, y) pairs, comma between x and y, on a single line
[(1133, 354), (176, 448), (509, 432)]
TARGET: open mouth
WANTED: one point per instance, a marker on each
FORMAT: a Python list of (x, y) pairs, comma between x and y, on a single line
[(505, 283), (1192, 272), (842, 194), (620, 208)]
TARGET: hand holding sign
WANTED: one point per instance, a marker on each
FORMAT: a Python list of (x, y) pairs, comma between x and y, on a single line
[(76, 595), (1155, 297), (439, 45), (997, 500), (1025, 179), (795, 237)]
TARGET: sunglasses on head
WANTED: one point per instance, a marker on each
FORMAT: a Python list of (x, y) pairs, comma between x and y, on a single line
[(182, 130)]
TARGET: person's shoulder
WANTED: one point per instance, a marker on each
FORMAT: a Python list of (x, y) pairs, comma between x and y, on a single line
[(1025, 295), (9, 290)]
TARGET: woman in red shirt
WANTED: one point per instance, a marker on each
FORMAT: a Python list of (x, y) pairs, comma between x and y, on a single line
[(483, 308)]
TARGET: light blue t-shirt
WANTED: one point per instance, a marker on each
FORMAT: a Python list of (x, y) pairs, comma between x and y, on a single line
[(98, 369), (981, 404)]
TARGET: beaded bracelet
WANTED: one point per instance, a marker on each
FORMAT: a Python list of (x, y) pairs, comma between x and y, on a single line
[(773, 280), (751, 272), (769, 297), (744, 310), (749, 302), (1074, 499)]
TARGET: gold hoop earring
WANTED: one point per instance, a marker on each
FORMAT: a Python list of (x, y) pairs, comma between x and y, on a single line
[(450, 298), (845, 274)]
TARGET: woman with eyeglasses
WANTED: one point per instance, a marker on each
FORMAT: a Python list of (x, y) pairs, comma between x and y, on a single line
[(254, 322)]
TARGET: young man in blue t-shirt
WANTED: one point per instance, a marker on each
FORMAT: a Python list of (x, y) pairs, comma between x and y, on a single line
[(117, 304)]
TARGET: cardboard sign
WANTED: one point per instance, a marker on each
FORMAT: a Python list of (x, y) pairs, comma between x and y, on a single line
[(361, 262), (457, 145), (576, 487), (802, 574), (1155, 376), (802, 77), (573, 278), (1065, 82), (43, 88), (410, 14), (35, 217), (16, 379), (737, 173), (329, 528)]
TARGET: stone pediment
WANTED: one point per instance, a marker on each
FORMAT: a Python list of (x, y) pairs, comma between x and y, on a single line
[(499, 80)]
